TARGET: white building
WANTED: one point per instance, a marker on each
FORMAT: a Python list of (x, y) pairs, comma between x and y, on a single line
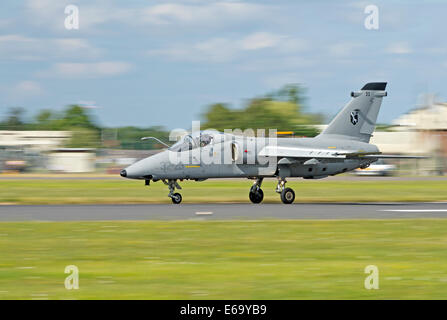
[(49, 145), (34, 140), (72, 160)]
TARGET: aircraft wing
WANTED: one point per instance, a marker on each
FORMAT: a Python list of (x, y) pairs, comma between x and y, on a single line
[(292, 152), (393, 156)]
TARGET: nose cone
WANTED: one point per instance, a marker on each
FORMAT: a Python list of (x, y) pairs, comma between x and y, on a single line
[(142, 169)]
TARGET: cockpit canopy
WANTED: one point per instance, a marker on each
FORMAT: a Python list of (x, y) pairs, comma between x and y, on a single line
[(191, 141)]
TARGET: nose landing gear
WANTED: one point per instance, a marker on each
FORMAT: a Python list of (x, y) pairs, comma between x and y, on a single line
[(175, 196)]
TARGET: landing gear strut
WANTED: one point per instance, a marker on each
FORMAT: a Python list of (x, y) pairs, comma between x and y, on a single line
[(287, 194), (175, 196), (256, 194)]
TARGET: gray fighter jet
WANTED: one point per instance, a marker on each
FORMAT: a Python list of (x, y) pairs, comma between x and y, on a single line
[(343, 146)]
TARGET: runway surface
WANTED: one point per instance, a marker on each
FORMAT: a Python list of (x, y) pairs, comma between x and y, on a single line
[(222, 211)]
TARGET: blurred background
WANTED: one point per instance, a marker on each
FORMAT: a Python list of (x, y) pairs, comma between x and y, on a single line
[(73, 141), (78, 99)]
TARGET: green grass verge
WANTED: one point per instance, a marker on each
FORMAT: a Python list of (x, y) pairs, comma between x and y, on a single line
[(224, 260), (128, 191)]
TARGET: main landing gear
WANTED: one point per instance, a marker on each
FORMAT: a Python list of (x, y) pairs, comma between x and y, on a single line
[(287, 194), (175, 196), (256, 194)]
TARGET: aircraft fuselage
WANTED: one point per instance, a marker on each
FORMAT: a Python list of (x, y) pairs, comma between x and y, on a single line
[(238, 157)]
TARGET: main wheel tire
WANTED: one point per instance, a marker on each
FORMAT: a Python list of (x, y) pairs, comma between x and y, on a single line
[(287, 196), (176, 198), (256, 196)]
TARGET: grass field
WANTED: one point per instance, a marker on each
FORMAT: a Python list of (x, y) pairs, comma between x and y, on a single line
[(229, 260), (48, 191)]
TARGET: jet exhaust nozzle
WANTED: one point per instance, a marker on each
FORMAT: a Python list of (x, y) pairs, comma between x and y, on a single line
[(123, 173)]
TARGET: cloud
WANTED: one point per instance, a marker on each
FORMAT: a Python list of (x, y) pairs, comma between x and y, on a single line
[(86, 70), (51, 14), (278, 80), (399, 48), (5, 23), (282, 64), (260, 40), (26, 88), (212, 50), (227, 49), (208, 14), (21, 91), (40, 4), (343, 49), (88, 104), (15, 46)]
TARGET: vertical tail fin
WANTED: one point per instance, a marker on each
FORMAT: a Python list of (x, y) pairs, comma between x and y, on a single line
[(357, 120)]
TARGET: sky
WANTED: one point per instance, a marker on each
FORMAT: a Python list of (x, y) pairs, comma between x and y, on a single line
[(147, 63)]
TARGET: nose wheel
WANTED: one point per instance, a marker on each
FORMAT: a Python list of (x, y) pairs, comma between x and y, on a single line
[(175, 196)]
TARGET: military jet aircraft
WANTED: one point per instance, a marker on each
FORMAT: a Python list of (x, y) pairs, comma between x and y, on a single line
[(343, 146)]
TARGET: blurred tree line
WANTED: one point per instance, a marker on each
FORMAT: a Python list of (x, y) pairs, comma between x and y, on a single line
[(281, 110), (74, 118)]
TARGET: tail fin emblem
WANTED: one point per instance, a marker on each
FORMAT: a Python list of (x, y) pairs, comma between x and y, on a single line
[(355, 117)]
